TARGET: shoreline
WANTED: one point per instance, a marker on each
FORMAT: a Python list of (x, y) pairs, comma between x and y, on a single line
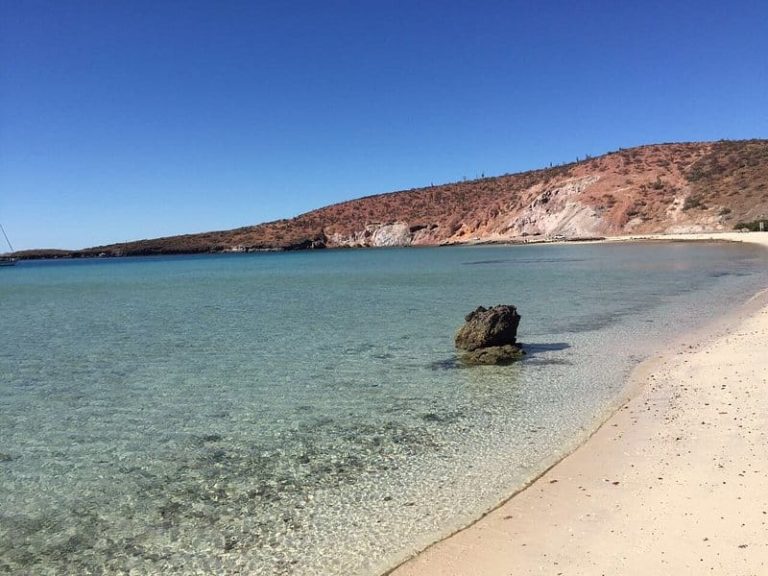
[(645, 492), (55, 254)]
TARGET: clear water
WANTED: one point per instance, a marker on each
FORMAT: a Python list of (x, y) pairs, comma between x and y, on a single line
[(302, 413)]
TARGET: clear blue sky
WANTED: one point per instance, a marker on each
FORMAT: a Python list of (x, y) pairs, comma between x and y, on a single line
[(127, 120)]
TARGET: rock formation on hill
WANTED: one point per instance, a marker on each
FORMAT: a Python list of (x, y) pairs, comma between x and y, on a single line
[(690, 187)]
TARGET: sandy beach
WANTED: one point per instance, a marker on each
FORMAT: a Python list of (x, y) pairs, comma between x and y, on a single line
[(675, 482)]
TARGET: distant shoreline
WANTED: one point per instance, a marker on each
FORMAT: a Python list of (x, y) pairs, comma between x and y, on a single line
[(92, 253)]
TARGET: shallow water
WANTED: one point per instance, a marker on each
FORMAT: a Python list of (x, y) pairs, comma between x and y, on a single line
[(303, 413)]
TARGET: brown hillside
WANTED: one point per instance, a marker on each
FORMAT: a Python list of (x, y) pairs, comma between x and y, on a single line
[(658, 188)]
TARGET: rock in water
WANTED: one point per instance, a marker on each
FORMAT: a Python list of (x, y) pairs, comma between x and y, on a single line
[(493, 355), (496, 326), (489, 336)]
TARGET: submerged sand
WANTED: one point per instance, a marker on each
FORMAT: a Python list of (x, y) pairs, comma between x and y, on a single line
[(676, 482)]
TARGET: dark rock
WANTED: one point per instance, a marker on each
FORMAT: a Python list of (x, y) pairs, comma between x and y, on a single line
[(488, 327), (489, 336), (307, 244), (493, 355)]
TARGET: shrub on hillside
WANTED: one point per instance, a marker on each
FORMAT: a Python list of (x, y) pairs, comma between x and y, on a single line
[(753, 226), (693, 202)]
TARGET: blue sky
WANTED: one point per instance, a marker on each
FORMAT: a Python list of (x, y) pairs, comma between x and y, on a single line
[(128, 120)]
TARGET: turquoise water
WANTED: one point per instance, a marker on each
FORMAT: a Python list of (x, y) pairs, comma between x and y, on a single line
[(303, 413)]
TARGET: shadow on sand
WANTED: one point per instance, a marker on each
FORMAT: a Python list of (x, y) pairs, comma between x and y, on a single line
[(538, 348), (533, 353)]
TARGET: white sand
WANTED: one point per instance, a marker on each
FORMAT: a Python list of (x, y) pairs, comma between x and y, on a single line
[(676, 482)]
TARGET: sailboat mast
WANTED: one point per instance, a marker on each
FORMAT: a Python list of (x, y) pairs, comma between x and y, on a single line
[(6, 238)]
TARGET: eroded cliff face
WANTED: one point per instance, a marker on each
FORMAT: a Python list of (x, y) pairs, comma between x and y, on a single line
[(375, 235), (557, 211), (553, 212), (650, 189), (384, 235)]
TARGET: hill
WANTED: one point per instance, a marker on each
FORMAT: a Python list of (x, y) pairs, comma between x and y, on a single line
[(685, 187)]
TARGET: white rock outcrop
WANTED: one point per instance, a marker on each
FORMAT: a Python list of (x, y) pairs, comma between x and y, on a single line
[(557, 211), (397, 234)]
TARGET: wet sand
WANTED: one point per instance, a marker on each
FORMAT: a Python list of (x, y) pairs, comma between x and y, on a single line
[(676, 482)]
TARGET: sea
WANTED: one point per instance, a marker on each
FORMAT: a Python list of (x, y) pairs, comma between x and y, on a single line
[(304, 413)]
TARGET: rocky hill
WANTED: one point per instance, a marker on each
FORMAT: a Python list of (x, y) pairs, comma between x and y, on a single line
[(688, 187)]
